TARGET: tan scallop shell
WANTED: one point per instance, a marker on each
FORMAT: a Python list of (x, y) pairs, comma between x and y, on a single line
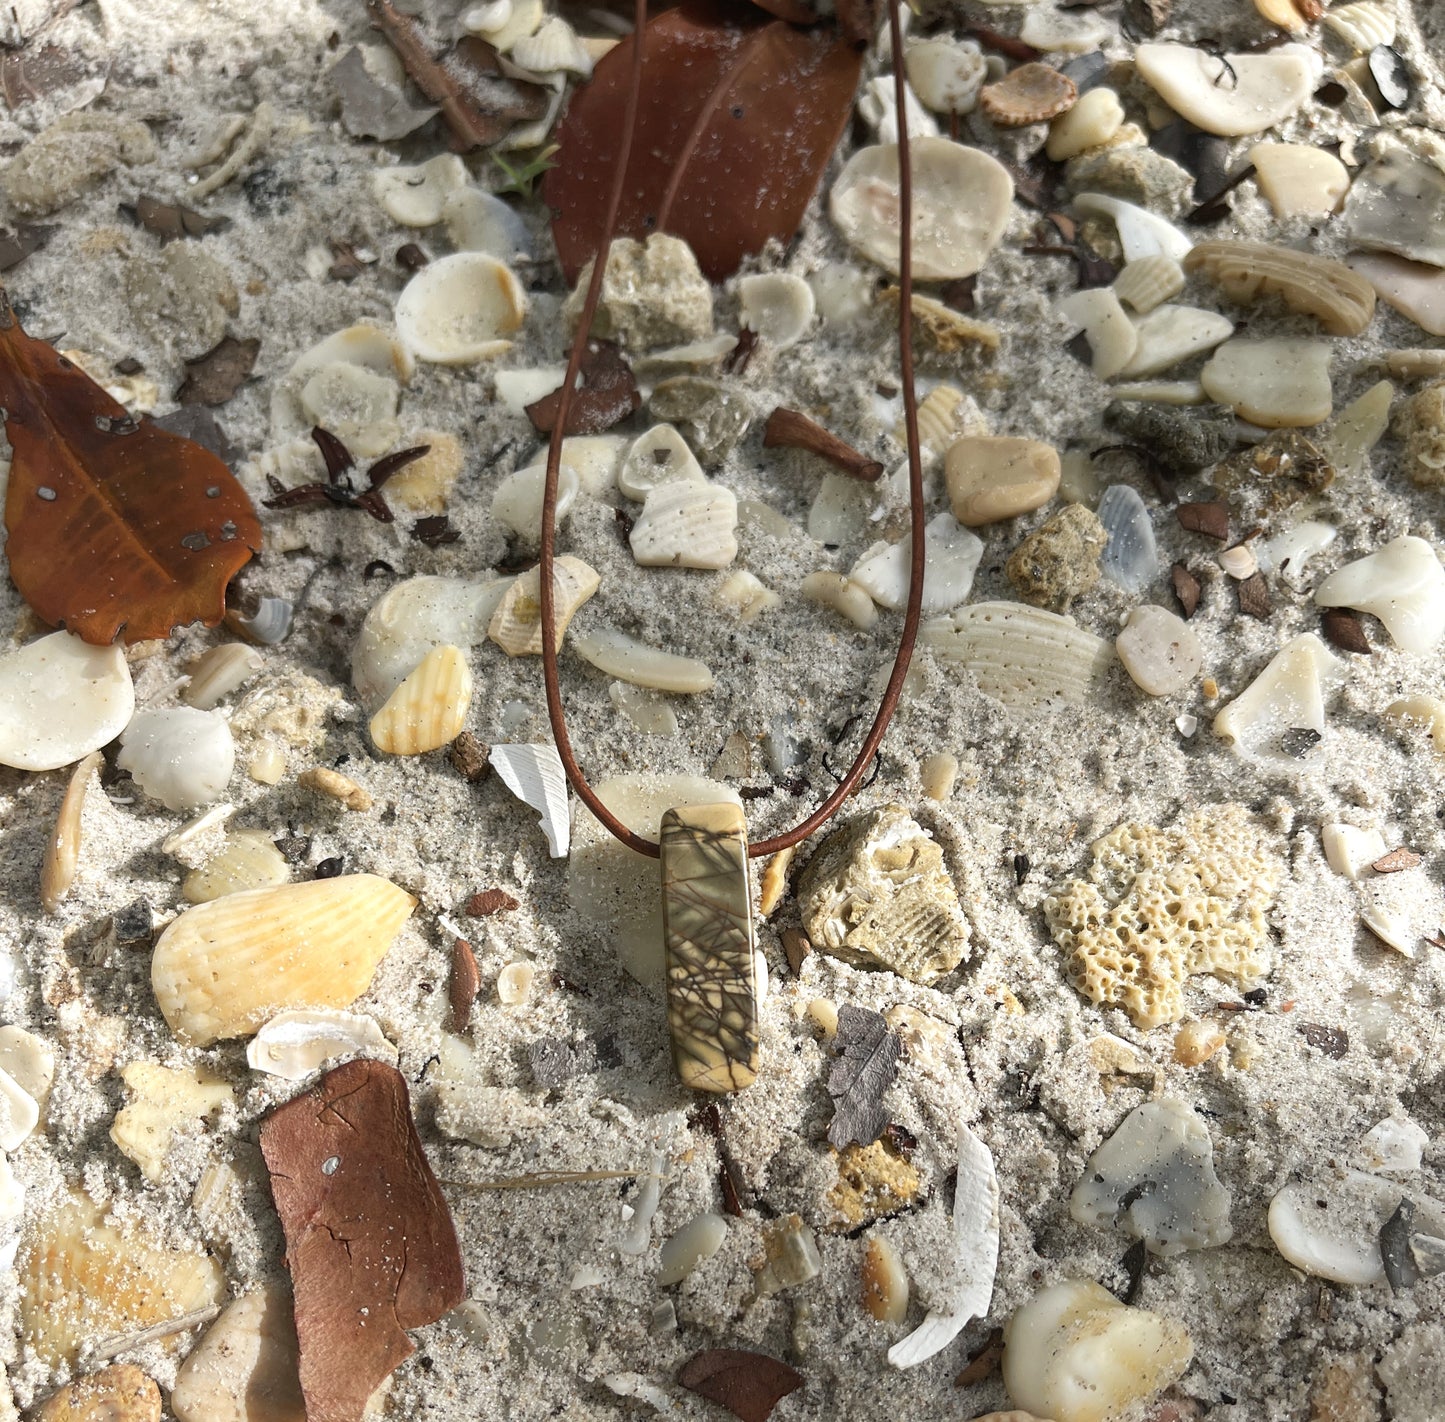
[(222, 969), (1362, 26), (686, 523), (249, 859), (944, 415), (1340, 299), (82, 1281), (1032, 93), (1149, 282), (516, 625), (429, 708)]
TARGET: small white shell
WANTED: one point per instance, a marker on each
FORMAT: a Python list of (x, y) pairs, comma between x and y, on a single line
[(622, 656), (1350, 850), (690, 1245), (516, 389), (479, 221), (1159, 650), (1149, 282), (219, 672), (429, 709), (1395, 1145), (1265, 89), (415, 197), (249, 859), (647, 711), (514, 983), (1021, 655), (1402, 584), (1141, 233), (366, 344), (30, 1061), (686, 524), (268, 625), (294, 1044), (946, 74), (1359, 427), (1130, 558), (517, 504), (841, 510), (1171, 334), (1112, 337), (357, 405), (461, 309), (180, 756), (535, 776), (1094, 120), (503, 22), (1291, 550), (746, 596), (19, 1112), (951, 557), (777, 306), (551, 49), (1239, 562), (1362, 26), (61, 698), (1289, 694), (843, 595), (1064, 31), (516, 625), (844, 293), (877, 107), (654, 458)]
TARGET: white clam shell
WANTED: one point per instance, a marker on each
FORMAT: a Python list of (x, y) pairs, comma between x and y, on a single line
[(622, 656), (961, 203), (654, 458), (294, 1044), (1266, 89), (534, 774), (1171, 334), (1350, 850), (179, 756), (946, 74), (777, 306), (686, 523), (517, 504), (219, 672), (479, 221), (553, 48), (877, 107), (60, 699), (951, 557), (1141, 233), (1289, 694), (1112, 337), (1402, 584), (461, 309), (247, 1356), (415, 197), (366, 344)]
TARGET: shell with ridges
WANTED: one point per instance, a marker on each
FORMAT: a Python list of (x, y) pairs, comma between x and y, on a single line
[(460, 309), (551, 49), (944, 415), (1362, 26), (1031, 93), (248, 860), (534, 774), (1341, 300), (429, 708), (1149, 282), (686, 523), (516, 625), (221, 969)]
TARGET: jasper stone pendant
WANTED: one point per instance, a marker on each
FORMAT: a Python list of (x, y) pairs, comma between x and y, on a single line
[(707, 916)]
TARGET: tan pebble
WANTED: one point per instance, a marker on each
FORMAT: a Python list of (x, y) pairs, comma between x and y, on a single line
[(163, 1100), (429, 708), (425, 485), (823, 1014), (1095, 119), (939, 772), (1210, 688), (775, 881), (268, 764), (1243, 1051), (221, 969), (1159, 650), (337, 786), (1346, 1391), (62, 849), (245, 1368), (121, 1393), (1196, 1042), (514, 984), (843, 595), (1341, 300), (1414, 362), (516, 625), (885, 1281), (1032, 93), (1299, 180), (991, 478)]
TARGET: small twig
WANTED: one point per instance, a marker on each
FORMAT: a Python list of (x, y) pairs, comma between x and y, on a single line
[(792, 429), (108, 1348), (550, 1177)]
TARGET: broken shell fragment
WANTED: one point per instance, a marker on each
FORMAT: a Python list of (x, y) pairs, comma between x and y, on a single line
[(1299, 180), (1342, 301), (1159, 651), (1141, 233), (1094, 120), (946, 74), (179, 756), (19, 1113), (1280, 383), (516, 625), (1149, 282), (356, 405), (884, 1280), (1419, 711), (294, 1044), (245, 1367), (460, 309), (654, 458), (1130, 557), (951, 558), (429, 708), (1169, 335), (335, 786), (1397, 204), (61, 698), (1363, 26), (249, 859), (479, 221), (1402, 583), (619, 655), (844, 596), (415, 197), (1112, 337), (1350, 850), (777, 307), (219, 672), (1288, 695), (1265, 88), (1415, 289), (163, 1101), (551, 49), (961, 198), (1031, 93), (694, 1243), (1394, 1145), (517, 504), (62, 849), (221, 969), (534, 774), (686, 523)]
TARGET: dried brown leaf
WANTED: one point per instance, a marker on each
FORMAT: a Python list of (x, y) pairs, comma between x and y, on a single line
[(489, 902), (369, 1239), (748, 1384), (26, 75), (1211, 519), (1344, 630), (794, 430), (1396, 860), (1254, 598), (17, 245), (606, 393), (170, 220), (865, 1069), (213, 378)]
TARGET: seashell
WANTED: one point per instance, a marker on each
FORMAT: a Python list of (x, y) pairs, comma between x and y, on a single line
[(1196, 1042), (516, 389), (162, 1101), (1342, 301), (1112, 337), (1291, 550), (1021, 655), (62, 849), (1350, 850), (976, 1242), (221, 969), (1130, 558), (648, 712), (517, 504), (1283, 14), (356, 405), (695, 355), (1397, 204), (946, 74), (1415, 363), (200, 837), (371, 347), (138, 393), (425, 485), (1288, 695), (1149, 282), (248, 860), (745, 595), (294, 1044), (82, 1280), (690, 1245), (19, 1113), (938, 773), (1281, 383), (553, 48), (843, 293), (269, 624), (429, 708), (1063, 31), (842, 595), (1031, 93), (1239, 562), (218, 673), (180, 756), (479, 221), (1141, 233), (1402, 584), (1298, 180), (503, 22), (1159, 651), (29, 1062), (516, 625), (948, 330), (1162, 392), (534, 774), (945, 414), (962, 199), (655, 458), (1414, 289), (335, 786), (763, 520), (1426, 711), (595, 460), (1171, 334), (1394, 1145), (951, 558), (1362, 26), (1360, 426), (686, 523), (415, 197), (461, 309), (1075, 1353), (245, 1368), (1093, 121), (514, 984), (60, 699), (877, 107), (777, 306), (1267, 88), (619, 655)]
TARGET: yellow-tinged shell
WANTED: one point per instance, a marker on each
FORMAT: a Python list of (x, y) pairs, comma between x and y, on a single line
[(1340, 299), (223, 968), (516, 625), (82, 1281), (249, 859), (429, 708), (162, 1101)]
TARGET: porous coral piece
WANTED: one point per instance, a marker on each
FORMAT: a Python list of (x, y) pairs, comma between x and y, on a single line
[(1423, 425), (1059, 561), (653, 294), (1160, 905), (873, 1181)]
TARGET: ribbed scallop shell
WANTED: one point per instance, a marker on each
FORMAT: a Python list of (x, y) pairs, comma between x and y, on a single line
[(944, 415), (1020, 654), (429, 708), (82, 1281), (553, 48), (686, 524), (1363, 26), (249, 859), (516, 625), (1032, 93), (1149, 282), (222, 969), (1340, 299)]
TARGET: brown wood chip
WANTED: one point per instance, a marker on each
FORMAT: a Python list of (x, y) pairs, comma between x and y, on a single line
[(983, 1361), (794, 430), (464, 984), (213, 378), (606, 393), (489, 902), (1254, 598), (1396, 860), (1210, 518), (797, 947), (1186, 588), (1343, 629)]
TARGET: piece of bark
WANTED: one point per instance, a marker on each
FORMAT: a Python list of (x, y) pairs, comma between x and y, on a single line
[(606, 393), (1211, 519), (1254, 598), (1186, 589), (791, 429), (213, 378), (370, 1242), (470, 757), (463, 985), (1395, 861), (489, 902), (1344, 630)]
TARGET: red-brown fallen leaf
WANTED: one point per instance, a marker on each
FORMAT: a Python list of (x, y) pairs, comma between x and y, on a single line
[(606, 393), (739, 115), (113, 525), (748, 1384), (369, 1240)]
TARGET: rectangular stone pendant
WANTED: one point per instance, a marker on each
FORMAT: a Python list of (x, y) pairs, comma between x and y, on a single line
[(707, 916)]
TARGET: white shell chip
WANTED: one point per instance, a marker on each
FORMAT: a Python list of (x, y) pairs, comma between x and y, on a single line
[(60, 699), (294, 1044)]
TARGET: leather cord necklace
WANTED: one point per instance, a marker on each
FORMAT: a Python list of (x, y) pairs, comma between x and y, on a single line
[(711, 970)]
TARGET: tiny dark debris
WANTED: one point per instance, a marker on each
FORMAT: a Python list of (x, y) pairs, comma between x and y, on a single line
[(1254, 598), (435, 531), (983, 1361), (376, 568), (736, 361), (411, 257), (347, 263), (797, 948), (1332, 94), (332, 868), (1186, 588), (1256, 997), (20, 243), (295, 848), (134, 923), (213, 378), (1134, 1262), (1299, 741), (1021, 868), (1345, 630), (1400, 1267), (1216, 206), (554, 1061), (1332, 1041), (469, 757), (170, 220)]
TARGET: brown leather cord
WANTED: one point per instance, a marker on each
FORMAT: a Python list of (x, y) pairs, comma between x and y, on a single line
[(894, 689)]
